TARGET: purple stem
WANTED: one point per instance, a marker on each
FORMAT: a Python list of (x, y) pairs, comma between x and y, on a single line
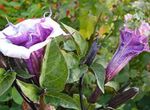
[(95, 95)]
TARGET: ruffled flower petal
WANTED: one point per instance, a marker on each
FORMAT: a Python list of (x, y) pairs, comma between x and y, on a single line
[(11, 50), (20, 40)]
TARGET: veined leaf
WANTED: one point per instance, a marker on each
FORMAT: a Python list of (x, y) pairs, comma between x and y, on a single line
[(80, 41), (6, 80), (16, 96), (30, 90), (6, 96), (60, 99), (2, 71), (87, 23), (69, 45), (99, 72), (24, 74), (75, 71), (54, 69)]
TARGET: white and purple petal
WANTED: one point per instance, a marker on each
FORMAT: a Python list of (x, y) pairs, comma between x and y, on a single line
[(26, 40), (29, 35)]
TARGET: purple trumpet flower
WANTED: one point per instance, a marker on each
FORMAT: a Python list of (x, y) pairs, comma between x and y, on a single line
[(26, 40), (132, 43)]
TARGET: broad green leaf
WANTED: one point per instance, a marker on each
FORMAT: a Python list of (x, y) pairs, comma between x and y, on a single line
[(30, 90), (113, 85), (99, 72), (16, 96), (6, 80), (69, 45), (6, 96), (73, 67), (87, 23), (24, 74), (75, 71), (4, 107), (54, 69), (74, 75), (89, 78), (80, 41), (60, 99), (2, 71), (72, 60)]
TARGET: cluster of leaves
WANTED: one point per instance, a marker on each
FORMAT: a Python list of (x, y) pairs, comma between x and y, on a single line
[(62, 68)]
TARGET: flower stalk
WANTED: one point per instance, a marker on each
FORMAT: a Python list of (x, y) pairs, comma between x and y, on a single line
[(88, 61)]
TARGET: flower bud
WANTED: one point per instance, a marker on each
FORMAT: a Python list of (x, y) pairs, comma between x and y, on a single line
[(122, 97)]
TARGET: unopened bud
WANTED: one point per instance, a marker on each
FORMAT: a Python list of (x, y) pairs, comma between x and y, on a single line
[(92, 53), (122, 97)]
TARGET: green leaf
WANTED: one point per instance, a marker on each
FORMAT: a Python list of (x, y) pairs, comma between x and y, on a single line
[(91, 107), (30, 90), (80, 41), (112, 84), (75, 71), (54, 70), (69, 45), (87, 23), (2, 71), (60, 99), (24, 74), (14, 4), (6, 96), (4, 107), (6, 80), (87, 105), (73, 67), (74, 75), (16, 96), (99, 72), (72, 60)]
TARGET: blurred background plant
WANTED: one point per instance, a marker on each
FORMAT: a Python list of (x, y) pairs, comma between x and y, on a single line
[(82, 15)]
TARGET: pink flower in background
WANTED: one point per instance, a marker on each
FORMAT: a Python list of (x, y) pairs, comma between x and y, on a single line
[(144, 29), (128, 17)]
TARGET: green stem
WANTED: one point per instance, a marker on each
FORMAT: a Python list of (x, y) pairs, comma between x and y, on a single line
[(81, 92)]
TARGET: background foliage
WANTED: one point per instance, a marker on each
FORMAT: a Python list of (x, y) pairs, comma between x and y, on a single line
[(82, 15)]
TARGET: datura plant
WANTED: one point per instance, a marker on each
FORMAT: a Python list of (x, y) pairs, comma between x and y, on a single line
[(133, 41), (46, 62)]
